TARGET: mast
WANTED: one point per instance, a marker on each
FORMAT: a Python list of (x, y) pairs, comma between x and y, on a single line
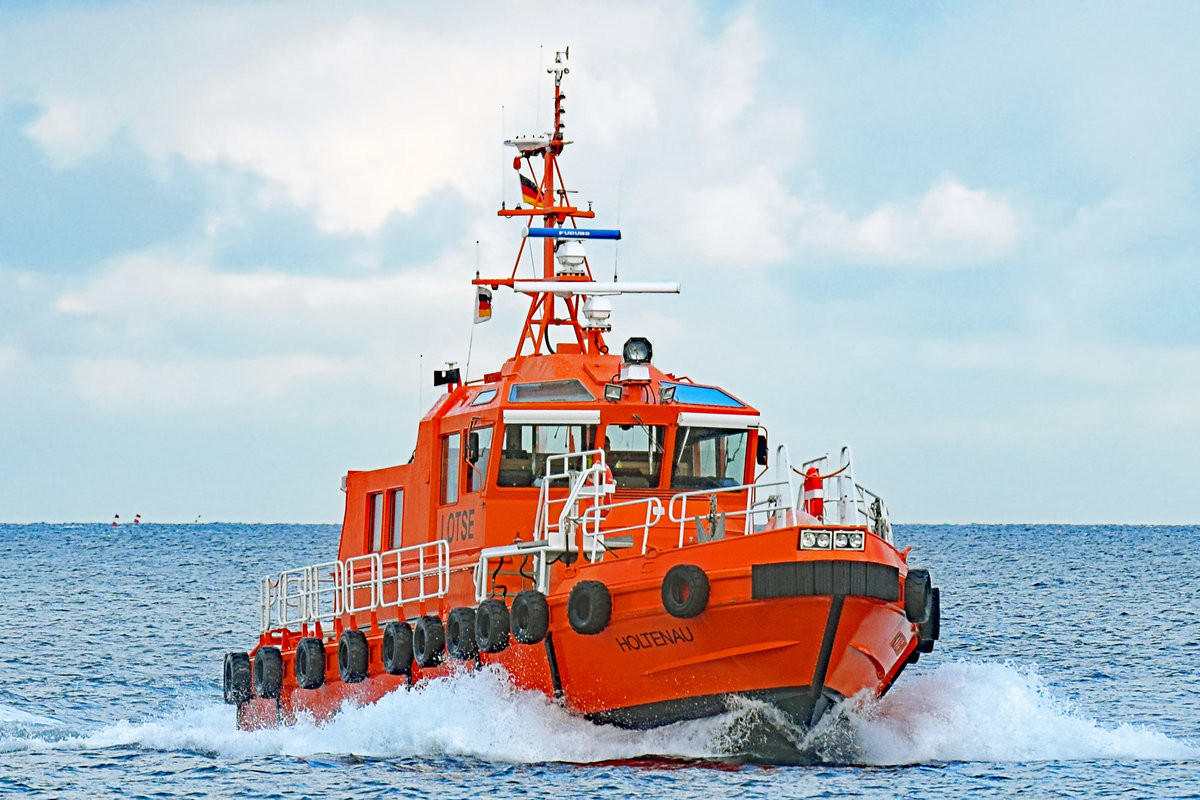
[(571, 284)]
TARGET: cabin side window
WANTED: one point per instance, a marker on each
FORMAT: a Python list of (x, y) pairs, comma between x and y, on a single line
[(397, 503), (451, 449), (375, 519), (634, 453), (526, 447), (479, 449), (709, 458)]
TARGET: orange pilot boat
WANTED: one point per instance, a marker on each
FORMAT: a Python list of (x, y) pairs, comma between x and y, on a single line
[(608, 533)]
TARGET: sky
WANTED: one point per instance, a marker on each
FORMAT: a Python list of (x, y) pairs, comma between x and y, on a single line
[(237, 237)]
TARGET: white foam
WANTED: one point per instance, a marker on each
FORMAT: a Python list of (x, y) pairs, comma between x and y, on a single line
[(982, 712), (958, 712)]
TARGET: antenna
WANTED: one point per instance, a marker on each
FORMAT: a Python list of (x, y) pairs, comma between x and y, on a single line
[(537, 92), (617, 244), (420, 383), (466, 376), (502, 135)]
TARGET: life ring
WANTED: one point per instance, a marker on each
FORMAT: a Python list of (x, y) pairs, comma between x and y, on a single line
[(268, 672), (530, 618), (429, 640), (460, 633), (589, 607), (491, 626), (918, 595), (236, 678), (685, 591), (310, 663), (352, 656), (397, 648)]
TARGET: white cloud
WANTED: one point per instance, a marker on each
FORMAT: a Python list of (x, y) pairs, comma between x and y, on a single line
[(949, 226)]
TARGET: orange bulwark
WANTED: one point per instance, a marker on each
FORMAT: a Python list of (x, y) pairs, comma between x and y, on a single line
[(606, 532)]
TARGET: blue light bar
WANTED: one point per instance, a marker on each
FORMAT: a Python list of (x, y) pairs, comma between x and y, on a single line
[(573, 233)]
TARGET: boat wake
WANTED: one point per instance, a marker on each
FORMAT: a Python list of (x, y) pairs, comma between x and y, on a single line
[(958, 712)]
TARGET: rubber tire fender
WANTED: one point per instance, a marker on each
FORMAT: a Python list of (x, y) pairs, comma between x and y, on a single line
[(310, 663), (589, 607), (429, 640), (491, 626), (918, 595), (929, 630), (530, 619), (268, 672), (397, 648), (685, 591), (235, 682), (352, 656), (460, 633)]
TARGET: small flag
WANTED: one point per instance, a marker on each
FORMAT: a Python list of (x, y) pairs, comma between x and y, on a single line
[(483, 304), (529, 192)]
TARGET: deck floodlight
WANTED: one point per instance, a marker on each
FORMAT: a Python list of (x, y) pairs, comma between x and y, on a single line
[(637, 350), (666, 393), (613, 392)]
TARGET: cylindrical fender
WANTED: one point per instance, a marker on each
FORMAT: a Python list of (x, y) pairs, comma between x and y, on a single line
[(685, 591), (268, 672), (589, 607), (530, 616)]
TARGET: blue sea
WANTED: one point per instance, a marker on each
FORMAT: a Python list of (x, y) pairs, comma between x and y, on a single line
[(1069, 666)]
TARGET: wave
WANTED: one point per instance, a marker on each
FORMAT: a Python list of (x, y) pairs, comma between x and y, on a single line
[(958, 712)]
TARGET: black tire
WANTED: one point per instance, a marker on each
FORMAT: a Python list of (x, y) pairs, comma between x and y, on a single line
[(929, 630), (918, 596), (589, 608), (310, 663), (530, 619), (685, 591), (460, 633), (235, 682), (397, 648), (429, 640), (491, 626), (352, 656), (268, 672)]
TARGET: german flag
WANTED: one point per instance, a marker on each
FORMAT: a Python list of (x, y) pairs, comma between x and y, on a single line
[(483, 304), (530, 193)]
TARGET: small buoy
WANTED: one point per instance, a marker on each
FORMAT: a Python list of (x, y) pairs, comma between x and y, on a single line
[(137, 518), (115, 518)]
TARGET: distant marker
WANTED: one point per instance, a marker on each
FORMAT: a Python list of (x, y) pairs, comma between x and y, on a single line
[(115, 518)]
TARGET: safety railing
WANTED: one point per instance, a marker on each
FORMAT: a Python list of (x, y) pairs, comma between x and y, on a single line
[(850, 503), (576, 522), (773, 503), (322, 592)]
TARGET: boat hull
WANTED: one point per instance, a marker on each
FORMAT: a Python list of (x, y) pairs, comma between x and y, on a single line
[(795, 630)]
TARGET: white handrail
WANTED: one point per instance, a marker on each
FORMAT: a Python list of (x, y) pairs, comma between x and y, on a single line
[(308, 595), (751, 490)]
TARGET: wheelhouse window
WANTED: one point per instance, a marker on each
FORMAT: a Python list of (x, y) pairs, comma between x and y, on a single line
[(568, 391), (634, 453), (451, 448), (397, 503), (484, 397), (709, 458), (691, 394), (526, 447), (375, 519), (479, 448)]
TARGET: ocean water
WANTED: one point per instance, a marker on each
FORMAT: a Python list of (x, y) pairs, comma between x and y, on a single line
[(1069, 666)]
